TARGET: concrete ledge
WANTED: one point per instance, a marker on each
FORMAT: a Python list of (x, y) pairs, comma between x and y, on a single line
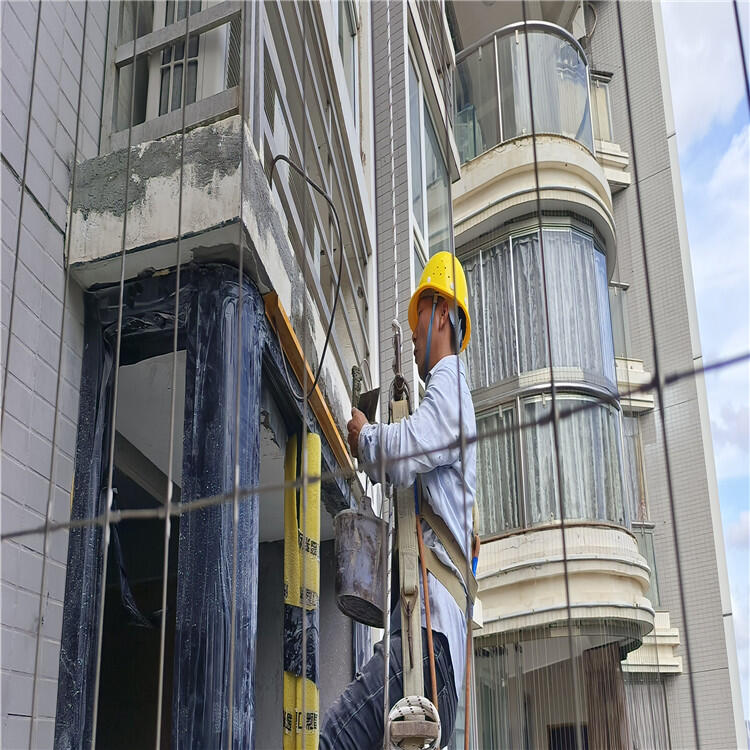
[(631, 374), (228, 214), (500, 185), (658, 654), (615, 163), (522, 581)]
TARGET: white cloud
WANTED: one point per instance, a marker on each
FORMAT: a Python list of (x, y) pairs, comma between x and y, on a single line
[(719, 226), (704, 65), (738, 535)]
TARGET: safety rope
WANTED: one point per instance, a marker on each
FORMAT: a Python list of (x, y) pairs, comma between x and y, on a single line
[(553, 391), (388, 546), (173, 398), (60, 349), (116, 381)]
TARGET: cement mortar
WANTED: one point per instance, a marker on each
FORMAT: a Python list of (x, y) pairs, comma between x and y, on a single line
[(208, 150)]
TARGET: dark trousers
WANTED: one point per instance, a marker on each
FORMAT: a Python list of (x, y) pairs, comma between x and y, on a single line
[(355, 720)]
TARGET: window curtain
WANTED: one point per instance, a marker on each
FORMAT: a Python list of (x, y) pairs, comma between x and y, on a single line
[(530, 312), (589, 462), (497, 489), (509, 329)]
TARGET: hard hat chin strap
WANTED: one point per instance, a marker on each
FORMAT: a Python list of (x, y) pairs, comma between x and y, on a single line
[(429, 335)]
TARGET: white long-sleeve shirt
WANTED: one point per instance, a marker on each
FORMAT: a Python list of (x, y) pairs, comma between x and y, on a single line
[(448, 483)]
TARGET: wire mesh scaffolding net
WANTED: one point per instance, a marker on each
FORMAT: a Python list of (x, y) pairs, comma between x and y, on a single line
[(540, 444)]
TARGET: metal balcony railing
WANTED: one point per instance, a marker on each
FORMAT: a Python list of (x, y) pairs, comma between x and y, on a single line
[(492, 102)]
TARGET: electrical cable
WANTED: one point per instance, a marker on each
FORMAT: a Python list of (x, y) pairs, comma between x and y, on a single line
[(237, 401), (302, 173), (16, 255), (742, 51), (383, 463)]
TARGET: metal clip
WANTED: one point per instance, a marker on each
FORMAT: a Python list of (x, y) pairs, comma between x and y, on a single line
[(397, 341)]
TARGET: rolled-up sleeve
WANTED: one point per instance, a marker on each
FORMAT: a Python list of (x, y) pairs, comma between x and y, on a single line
[(418, 444)]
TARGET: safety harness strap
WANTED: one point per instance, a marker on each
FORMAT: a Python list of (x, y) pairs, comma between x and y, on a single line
[(408, 558), (446, 575)]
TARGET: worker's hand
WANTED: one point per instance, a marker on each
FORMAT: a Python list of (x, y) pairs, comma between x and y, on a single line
[(356, 423)]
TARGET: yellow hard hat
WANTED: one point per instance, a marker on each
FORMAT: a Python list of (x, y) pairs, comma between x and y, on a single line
[(438, 277)]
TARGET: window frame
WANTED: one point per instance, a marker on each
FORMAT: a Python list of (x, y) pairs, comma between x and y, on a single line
[(349, 10), (421, 237), (600, 80), (516, 404), (211, 17)]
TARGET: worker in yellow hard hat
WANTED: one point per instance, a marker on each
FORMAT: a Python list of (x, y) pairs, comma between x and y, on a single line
[(438, 287), (424, 446)]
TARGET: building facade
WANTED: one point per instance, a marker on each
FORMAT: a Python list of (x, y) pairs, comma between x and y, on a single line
[(584, 636), (207, 285), (169, 290)]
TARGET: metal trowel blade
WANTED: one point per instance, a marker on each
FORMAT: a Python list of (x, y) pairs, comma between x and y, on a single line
[(368, 403)]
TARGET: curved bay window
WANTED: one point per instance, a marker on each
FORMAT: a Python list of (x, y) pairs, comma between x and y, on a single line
[(492, 99), (508, 315), (517, 479), (508, 368)]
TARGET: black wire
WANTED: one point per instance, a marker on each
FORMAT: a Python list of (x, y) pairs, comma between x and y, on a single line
[(742, 51), (314, 186), (657, 377), (553, 392), (189, 506)]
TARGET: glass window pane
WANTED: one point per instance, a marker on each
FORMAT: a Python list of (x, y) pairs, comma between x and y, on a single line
[(192, 81), (164, 93), (166, 56), (559, 83), (438, 191), (348, 48), (169, 15), (415, 144), (605, 319), (589, 462), (498, 309), (176, 86), (418, 265), (645, 538), (181, 9), (633, 470), (539, 461), (179, 50), (477, 116), (497, 491), (475, 354), (600, 110), (618, 310), (530, 313)]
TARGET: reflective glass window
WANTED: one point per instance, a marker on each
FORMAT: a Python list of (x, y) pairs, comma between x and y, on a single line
[(415, 145), (477, 125), (438, 190), (559, 83), (508, 312)]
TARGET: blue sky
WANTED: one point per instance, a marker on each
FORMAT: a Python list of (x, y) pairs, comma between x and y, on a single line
[(711, 119)]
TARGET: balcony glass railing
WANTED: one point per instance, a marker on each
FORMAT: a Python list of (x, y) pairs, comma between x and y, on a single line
[(492, 88)]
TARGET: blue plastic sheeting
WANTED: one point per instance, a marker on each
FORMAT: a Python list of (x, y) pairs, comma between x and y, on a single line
[(204, 570), (207, 328)]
